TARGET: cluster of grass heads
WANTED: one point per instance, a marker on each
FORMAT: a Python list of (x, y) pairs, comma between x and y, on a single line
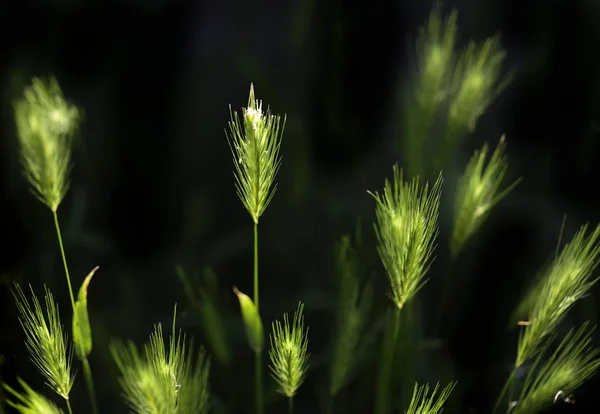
[(171, 376)]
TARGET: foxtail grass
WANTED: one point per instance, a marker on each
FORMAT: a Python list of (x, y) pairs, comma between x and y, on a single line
[(163, 379), (289, 354), (552, 381), (477, 81), (46, 341), (406, 228), (478, 191), (567, 280), (563, 283), (255, 140), (29, 401), (435, 48), (46, 123), (422, 402)]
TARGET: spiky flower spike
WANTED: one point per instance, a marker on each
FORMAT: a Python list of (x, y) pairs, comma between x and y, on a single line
[(435, 49), (477, 81), (45, 125), (46, 341), (423, 403), (567, 280), (30, 402), (573, 363), (478, 191), (406, 231), (163, 381), (435, 57), (288, 353), (255, 140)]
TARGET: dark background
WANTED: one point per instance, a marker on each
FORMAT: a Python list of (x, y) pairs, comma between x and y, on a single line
[(152, 184)]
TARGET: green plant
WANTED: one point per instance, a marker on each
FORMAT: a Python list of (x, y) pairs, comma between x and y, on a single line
[(406, 229), (561, 285), (477, 193), (203, 298), (46, 341), (476, 82), (424, 403), (458, 87), (163, 380), (289, 354), (45, 124), (169, 376), (31, 402), (435, 56), (573, 363), (254, 142), (354, 305)]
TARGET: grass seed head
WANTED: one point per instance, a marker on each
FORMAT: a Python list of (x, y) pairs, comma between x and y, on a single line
[(45, 340), (45, 124), (435, 52), (30, 402), (289, 353), (255, 140), (406, 229), (477, 81), (478, 191), (567, 280), (569, 366), (163, 380), (424, 403)]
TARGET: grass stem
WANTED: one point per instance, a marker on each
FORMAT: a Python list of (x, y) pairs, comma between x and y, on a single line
[(291, 405), (256, 265), (384, 378), (69, 407), (258, 355), (87, 371), (259, 383), (64, 258), (508, 386)]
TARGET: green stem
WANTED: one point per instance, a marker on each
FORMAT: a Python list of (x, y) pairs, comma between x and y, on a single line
[(258, 383), (64, 258), (384, 378), (256, 265), (507, 387), (453, 134), (69, 407), (87, 371), (291, 405), (419, 120)]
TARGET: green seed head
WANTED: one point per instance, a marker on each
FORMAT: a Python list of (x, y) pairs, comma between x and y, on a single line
[(288, 353), (45, 124), (255, 140)]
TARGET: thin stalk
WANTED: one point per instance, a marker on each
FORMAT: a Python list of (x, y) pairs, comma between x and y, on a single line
[(382, 393), (86, 366), (291, 405), (419, 121), (64, 258), (87, 371), (258, 355), (454, 133), (256, 265), (69, 407), (508, 385), (258, 383)]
